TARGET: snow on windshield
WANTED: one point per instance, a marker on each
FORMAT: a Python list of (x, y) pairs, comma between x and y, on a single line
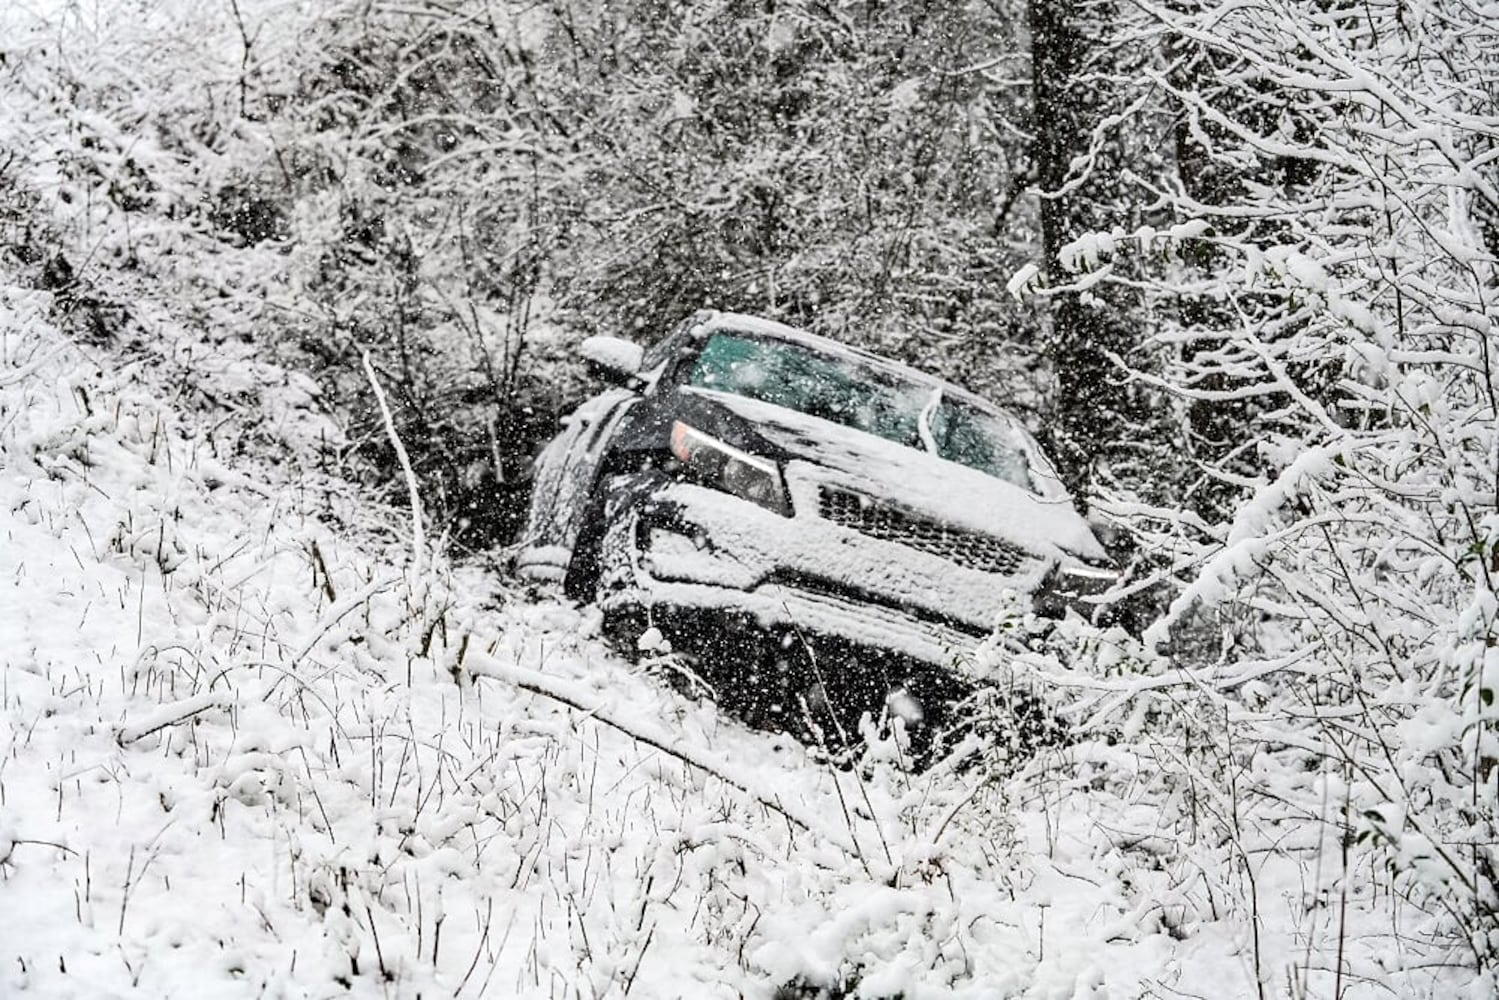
[(844, 390)]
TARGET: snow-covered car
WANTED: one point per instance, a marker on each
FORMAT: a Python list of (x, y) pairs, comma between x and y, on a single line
[(743, 476)]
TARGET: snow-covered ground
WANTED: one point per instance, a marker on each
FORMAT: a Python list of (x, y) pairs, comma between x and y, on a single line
[(254, 745), (246, 751), (247, 754)]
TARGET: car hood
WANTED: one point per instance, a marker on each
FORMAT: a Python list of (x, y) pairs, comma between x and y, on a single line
[(826, 452)]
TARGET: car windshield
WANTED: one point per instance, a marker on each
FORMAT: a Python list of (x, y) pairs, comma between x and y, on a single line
[(847, 391)]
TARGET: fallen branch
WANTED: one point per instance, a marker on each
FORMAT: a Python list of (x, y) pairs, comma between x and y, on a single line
[(171, 715), (26, 371), (577, 697)]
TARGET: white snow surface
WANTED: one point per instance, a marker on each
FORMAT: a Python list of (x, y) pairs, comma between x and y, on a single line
[(242, 755)]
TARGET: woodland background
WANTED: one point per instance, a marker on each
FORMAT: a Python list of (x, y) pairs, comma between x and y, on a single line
[(1235, 264)]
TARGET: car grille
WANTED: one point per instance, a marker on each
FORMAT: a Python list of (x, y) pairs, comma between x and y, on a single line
[(842, 594), (966, 548)]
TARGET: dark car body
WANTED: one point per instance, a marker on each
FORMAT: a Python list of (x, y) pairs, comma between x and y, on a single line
[(760, 475)]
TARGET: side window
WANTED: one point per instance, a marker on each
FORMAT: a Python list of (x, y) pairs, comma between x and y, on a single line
[(730, 363)]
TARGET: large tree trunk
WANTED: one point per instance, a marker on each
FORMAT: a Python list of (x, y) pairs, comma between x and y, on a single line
[(1092, 406)]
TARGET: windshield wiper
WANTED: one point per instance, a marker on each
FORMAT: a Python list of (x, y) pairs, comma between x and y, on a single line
[(924, 421)]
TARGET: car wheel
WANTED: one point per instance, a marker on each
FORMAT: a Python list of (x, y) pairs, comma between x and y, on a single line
[(615, 580), (582, 575), (605, 559), (613, 499)]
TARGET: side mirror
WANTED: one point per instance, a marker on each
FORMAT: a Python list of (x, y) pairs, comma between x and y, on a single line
[(612, 358)]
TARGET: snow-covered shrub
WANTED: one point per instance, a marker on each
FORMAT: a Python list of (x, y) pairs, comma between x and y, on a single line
[(465, 192), (424, 227), (854, 175), (1340, 300), (259, 155)]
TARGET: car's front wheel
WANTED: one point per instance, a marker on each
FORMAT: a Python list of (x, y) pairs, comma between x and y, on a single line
[(614, 500), (615, 582), (604, 564)]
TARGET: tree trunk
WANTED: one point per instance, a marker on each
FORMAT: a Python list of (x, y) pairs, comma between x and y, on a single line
[(1092, 404)]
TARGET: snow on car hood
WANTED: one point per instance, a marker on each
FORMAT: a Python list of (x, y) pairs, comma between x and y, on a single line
[(916, 480)]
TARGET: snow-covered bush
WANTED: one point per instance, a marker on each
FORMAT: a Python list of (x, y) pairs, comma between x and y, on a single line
[(464, 192), (1335, 298)]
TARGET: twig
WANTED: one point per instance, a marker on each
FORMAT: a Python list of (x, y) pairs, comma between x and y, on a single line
[(171, 715), (417, 538), (125, 894), (650, 935), (17, 841)]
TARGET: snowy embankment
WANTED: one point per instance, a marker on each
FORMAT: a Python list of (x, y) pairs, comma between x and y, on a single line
[(247, 750), (243, 753)]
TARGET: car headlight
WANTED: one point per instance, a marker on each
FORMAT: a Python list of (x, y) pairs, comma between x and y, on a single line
[(722, 466), (1080, 578), (1071, 585)]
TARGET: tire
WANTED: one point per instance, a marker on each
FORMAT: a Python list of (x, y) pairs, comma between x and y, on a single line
[(605, 561), (581, 580), (615, 589), (614, 499)]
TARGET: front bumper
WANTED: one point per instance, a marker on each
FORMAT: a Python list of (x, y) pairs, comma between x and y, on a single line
[(696, 549)]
